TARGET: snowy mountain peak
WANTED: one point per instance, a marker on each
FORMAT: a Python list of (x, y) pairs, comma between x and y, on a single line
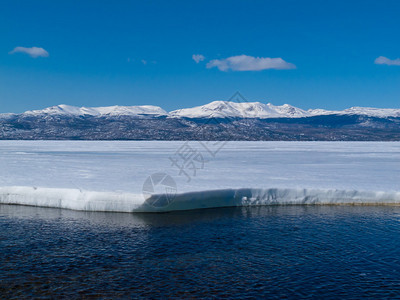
[(215, 109), (223, 109), (289, 111), (373, 112), (116, 110), (61, 109), (219, 109)]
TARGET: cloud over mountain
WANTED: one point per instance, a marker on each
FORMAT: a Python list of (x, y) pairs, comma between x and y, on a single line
[(32, 51), (381, 60), (198, 58), (250, 63)]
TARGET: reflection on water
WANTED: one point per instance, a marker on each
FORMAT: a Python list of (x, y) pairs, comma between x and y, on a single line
[(279, 251)]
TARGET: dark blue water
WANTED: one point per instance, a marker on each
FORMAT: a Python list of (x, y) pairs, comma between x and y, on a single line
[(274, 252)]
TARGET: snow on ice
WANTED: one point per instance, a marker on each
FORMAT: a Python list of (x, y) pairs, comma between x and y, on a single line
[(110, 176)]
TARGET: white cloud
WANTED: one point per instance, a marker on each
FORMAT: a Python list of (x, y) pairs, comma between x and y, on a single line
[(381, 60), (198, 58), (33, 51), (249, 63), (144, 62)]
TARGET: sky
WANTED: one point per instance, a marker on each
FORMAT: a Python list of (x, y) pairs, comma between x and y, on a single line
[(174, 54)]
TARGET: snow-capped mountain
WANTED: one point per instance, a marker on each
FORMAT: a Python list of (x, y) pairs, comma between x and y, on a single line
[(116, 110), (215, 109), (224, 109), (361, 111), (373, 112), (231, 121)]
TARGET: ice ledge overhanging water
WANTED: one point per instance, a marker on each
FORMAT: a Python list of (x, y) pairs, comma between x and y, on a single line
[(76, 199)]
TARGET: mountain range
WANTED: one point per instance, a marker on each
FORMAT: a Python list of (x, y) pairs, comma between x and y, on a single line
[(215, 109), (218, 120)]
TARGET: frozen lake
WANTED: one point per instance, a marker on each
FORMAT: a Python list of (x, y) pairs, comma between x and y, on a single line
[(115, 172)]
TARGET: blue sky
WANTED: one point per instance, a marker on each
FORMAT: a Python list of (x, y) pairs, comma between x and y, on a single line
[(98, 53)]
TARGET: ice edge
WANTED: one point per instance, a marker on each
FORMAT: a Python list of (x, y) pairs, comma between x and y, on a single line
[(76, 199)]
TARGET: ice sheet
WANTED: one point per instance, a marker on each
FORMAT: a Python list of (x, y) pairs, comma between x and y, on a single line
[(76, 173)]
